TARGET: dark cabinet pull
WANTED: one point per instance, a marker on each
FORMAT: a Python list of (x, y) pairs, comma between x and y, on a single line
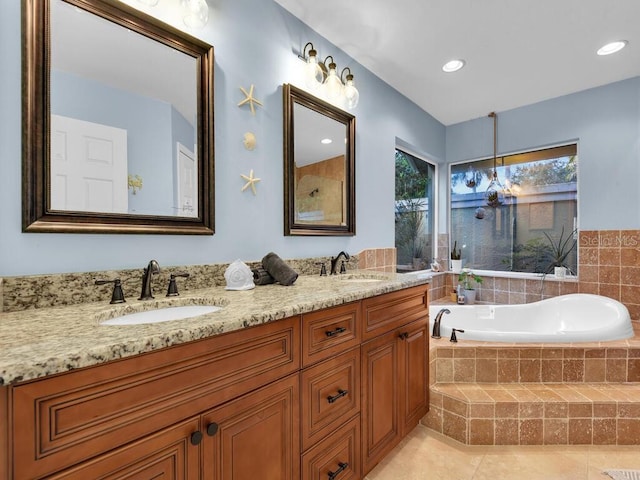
[(342, 467), (403, 336), (212, 429), (196, 437), (340, 394), (338, 330)]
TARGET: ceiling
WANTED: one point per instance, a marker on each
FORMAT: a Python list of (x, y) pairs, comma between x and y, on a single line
[(517, 52), (86, 45)]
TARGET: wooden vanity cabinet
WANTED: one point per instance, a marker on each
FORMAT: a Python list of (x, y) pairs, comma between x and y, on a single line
[(302, 397), (63, 420), (395, 383)]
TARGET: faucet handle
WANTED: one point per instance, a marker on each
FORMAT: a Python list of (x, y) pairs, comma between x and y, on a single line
[(323, 269), (172, 291), (117, 296), (453, 338), (343, 268)]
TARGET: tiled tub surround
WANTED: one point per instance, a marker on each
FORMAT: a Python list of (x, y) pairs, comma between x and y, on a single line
[(555, 394), (43, 341), (608, 264)]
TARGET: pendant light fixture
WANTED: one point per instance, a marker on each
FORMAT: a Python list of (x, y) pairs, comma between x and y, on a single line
[(494, 195)]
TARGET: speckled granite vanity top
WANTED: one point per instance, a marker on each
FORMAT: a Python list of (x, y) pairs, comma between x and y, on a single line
[(39, 342)]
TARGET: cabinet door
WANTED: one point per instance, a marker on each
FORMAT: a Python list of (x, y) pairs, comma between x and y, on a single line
[(381, 428), (169, 454), (414, 349), (256, 436)]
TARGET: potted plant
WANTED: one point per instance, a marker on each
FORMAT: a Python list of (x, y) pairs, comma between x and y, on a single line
[(558, 253), (456, 263), (467, 279)]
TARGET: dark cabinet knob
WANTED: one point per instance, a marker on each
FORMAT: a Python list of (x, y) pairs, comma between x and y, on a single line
[(196, 437), (403, 336), (212, 429)]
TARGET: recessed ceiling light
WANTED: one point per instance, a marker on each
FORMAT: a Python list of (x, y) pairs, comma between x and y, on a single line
[(453, 66), (326, 141), (612, 47)]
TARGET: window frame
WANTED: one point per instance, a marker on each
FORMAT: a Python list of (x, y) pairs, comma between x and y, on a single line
[(433, 254), (534, 152)]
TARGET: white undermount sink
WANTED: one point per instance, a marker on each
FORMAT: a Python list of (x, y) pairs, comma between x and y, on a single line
[(162, 315)]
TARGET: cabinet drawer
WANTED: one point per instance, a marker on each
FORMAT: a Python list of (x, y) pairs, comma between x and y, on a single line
[(62, 420), (330, 394), (328, 332), (336, 456), (384, 313)]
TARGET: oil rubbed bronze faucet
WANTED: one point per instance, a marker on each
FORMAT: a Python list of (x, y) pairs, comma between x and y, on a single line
[(152, 269), (334, 263), (436, 323)]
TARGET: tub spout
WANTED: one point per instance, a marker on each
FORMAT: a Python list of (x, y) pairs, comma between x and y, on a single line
[(436, 323)]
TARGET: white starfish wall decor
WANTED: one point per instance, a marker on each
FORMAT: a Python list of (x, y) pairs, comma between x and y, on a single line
[(249, 99), (251, 182)]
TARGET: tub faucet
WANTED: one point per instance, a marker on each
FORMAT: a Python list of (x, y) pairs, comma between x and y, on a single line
[(334, 262), (152, 269), (436, 323)]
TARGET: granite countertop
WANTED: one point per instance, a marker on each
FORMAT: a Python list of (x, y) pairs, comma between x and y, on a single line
[(39, 342)]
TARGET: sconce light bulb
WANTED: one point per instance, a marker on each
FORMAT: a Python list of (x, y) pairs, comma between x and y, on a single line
[(313, 72), (351, 93), (195, 13), (333, 84)]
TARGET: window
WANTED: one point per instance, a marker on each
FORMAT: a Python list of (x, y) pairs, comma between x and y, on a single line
[(534, 229), (414, 222)]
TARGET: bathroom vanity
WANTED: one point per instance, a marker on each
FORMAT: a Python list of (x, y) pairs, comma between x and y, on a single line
[(286, 398)]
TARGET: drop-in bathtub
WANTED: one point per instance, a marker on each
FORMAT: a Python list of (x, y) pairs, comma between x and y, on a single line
[(578, 317)]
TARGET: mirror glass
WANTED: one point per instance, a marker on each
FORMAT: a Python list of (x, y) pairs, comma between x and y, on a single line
[(126, 142), (319, 165)]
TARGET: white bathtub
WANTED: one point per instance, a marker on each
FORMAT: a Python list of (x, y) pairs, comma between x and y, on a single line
[(578, 317)]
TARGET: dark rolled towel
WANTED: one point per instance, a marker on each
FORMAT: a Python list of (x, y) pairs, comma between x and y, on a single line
[(278, 269), (261, 276)]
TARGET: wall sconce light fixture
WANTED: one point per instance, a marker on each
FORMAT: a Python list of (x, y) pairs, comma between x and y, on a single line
[(337, 89)]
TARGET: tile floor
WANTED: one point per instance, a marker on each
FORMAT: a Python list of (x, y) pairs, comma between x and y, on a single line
[(427, 455)]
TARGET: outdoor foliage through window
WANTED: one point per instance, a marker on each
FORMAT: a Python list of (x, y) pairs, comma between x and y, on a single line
[(534, 229), (414, 221)]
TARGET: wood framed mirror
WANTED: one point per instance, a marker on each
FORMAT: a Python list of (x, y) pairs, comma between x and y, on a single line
[(319, 166), (117, 122)]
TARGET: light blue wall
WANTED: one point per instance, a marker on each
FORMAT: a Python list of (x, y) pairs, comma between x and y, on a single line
[(605, 121), (254, 43)]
